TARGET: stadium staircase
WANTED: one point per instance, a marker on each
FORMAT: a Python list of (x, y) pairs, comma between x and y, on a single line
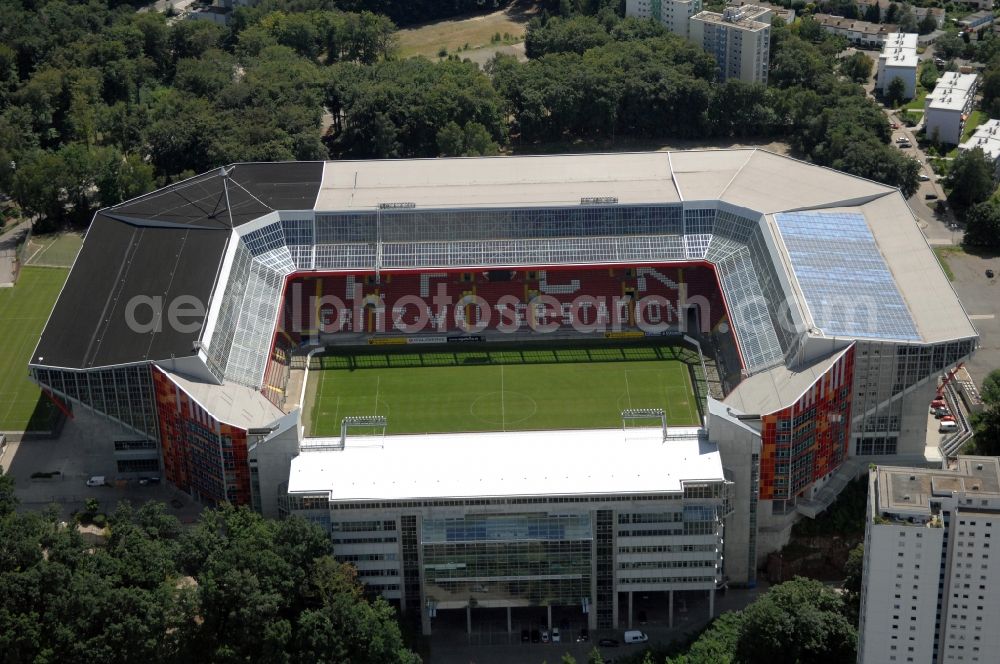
[(847, 473)]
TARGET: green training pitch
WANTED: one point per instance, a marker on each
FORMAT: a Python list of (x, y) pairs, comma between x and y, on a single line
[(23, 312), (500, 390)]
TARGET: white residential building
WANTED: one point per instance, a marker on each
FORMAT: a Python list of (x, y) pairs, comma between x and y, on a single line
[(930, 592), (986, 138), (739, 38), (948, 106), (674, 14), (898, 60)]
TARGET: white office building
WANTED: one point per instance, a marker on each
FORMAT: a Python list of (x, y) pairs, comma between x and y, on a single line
[(930, 591), (511, 520), (674, 14), (987, 139), (948, 106), (739, 38), (898, 60)]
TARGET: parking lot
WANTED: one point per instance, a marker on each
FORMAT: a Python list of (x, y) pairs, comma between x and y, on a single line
[(980, 296), (80, 452)]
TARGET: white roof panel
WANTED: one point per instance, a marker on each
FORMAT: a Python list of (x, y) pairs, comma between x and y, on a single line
[(633, 178), (523, 463)]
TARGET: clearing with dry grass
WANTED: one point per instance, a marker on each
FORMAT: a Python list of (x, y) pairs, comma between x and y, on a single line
[(462, 35)]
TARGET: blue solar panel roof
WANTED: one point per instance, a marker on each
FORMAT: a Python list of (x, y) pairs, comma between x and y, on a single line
[(846, 283)]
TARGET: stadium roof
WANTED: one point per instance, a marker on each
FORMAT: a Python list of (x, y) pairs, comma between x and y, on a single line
[(227, 239), (772, 390), (168, 244), (521, 463)]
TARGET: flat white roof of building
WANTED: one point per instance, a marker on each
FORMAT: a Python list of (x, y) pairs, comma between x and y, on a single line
[(987, 138), (900, 40), (902, 60), (521, 463), (951, 92), (632, 177), (909, 490)]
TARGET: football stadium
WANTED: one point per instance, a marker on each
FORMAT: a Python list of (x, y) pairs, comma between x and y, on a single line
[(514, 383)]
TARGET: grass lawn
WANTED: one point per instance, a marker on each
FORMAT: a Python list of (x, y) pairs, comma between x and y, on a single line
[(475, 31), (54, 250), (917, 103), (942, 253), (499, 390), (23, 312), (976, 118)]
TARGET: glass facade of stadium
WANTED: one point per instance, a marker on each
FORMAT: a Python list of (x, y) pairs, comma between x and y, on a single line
[(587, 554)]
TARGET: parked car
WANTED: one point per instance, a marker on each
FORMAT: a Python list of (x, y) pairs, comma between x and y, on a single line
[(635, 636), (143, 481), (923, 177), (556, 637), (584, 635), (930, 197), (989, 274), (525, 636), (948, 418), (902, 139), (642, 618), (608, 643), (96, 480), (894, 125), (536, 636), (545, 636)]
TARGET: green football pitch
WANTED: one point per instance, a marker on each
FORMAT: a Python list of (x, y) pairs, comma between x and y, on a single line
[(501, 390), (23, 312)]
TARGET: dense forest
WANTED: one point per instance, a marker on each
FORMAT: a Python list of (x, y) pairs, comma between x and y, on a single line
[(233, 588), (99, 103)]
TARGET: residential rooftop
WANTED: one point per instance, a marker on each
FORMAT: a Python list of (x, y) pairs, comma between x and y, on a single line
[(745, 17), (907, 492), (987, 138)]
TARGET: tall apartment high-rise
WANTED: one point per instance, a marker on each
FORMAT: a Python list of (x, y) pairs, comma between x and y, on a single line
[(930, 591), (674, 14), (739, 38)]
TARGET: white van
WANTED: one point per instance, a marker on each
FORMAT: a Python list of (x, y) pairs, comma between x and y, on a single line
[(947, 427), (635, 636)]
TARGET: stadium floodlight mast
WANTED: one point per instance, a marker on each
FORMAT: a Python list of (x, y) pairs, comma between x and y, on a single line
[(356, 421), (646, 414)]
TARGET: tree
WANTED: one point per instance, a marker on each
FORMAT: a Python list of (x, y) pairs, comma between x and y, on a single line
[(857, 67), (929, 75), (853, 570), (234, 588), (970, 178), (8, 500), (892, 14), (986, 424), (873, 14), (895, 92), (560, 35), (990, 89), (982, 226), (798, 621), (949, 45), (927, 24), (907, 19)]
